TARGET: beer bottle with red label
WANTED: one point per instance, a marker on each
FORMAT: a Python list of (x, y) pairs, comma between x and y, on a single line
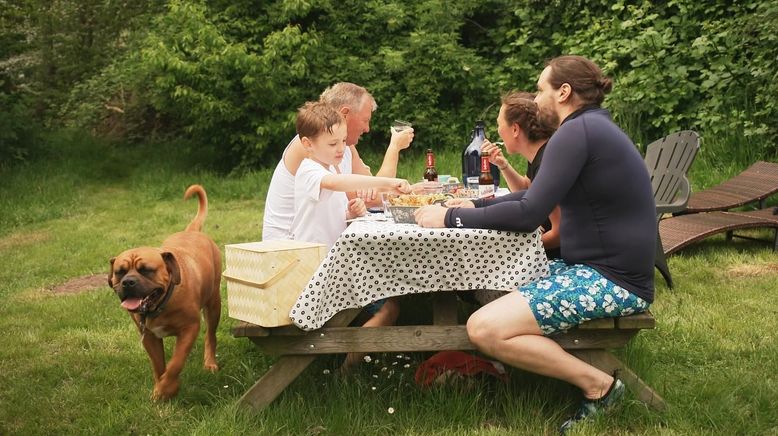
[(430, 174), (485, 181)]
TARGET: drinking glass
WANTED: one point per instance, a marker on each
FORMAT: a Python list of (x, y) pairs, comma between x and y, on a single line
[(400, 125), (387, 212)]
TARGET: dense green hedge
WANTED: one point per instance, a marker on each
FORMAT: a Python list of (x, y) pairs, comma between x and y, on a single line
[(230, 74)]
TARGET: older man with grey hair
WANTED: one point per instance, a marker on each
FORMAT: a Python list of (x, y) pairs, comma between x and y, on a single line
[(356, 105)]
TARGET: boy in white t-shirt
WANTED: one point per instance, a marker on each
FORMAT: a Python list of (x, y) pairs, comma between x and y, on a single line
[(321, 207), (320, 202), (356, 105)]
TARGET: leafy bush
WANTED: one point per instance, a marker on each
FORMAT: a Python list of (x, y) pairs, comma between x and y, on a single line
[(681, 64), (230, 74), (17, 125)]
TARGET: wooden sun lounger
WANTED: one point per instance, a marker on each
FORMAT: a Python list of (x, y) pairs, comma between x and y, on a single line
[(591, 342), (754, 184), (680, 231)]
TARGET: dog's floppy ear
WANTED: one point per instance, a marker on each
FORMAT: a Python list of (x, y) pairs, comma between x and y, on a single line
[(110, 272), (172, 267)]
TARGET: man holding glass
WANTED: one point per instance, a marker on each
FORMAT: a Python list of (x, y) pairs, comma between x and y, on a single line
[(356, 105)]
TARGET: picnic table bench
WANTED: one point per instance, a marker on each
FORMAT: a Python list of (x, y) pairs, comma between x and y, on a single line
[(377, 260), (592, 342)]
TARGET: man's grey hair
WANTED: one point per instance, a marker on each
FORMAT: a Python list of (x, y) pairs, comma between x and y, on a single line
[(347, 94)]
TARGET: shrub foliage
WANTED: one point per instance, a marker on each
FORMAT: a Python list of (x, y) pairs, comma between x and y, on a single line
[(230, 74)]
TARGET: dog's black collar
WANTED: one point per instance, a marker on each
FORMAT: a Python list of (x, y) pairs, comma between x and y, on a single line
[(145, 314), (161, 306)]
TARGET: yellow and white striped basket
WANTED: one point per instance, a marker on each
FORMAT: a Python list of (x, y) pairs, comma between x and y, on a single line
[(265, 278)]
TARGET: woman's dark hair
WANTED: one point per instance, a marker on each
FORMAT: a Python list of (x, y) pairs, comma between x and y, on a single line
[(520, 108), (583, 76)]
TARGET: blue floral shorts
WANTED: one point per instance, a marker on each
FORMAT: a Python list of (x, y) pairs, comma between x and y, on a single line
[(375, 306), (576, 293)]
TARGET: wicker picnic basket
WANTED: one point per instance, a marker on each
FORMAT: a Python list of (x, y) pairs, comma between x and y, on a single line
[(265, 278)]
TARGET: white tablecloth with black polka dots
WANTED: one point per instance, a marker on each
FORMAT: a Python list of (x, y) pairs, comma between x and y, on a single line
[(375, 260)]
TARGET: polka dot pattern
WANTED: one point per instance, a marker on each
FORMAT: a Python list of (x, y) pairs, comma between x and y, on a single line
[(375, 260)]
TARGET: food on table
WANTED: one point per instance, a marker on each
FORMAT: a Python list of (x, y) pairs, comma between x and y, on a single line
[(417, 200)]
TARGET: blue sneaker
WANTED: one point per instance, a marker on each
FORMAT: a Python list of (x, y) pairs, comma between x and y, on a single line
[(591, 408)]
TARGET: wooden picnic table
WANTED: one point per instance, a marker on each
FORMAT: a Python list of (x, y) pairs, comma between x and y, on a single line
[(375, 260)]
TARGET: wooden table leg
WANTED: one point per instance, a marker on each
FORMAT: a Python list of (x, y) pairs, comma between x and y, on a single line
[(445, 308), (275, 380), (286, 370), (606, 361)]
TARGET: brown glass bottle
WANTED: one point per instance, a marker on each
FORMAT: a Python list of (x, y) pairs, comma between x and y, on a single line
[(430, 174), (485, 181)]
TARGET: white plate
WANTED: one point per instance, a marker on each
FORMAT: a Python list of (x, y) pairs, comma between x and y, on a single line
[(369, 217)]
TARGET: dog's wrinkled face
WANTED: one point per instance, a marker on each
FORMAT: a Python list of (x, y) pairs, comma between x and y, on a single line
[(141, 275)]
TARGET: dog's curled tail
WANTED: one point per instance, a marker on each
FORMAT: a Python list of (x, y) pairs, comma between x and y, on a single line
[(202, 211)]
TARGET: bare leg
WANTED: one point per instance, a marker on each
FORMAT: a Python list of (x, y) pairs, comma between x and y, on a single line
[(507, 330), (387, 315)]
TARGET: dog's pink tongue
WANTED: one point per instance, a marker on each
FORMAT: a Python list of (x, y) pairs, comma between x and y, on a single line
[(131, 303)]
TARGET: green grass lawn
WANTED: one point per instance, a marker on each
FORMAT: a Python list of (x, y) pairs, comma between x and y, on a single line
[(73, 363)]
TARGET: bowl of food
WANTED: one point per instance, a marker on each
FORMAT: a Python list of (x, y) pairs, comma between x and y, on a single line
[(403, 206)]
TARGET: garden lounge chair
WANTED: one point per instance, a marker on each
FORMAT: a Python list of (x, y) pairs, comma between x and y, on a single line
[(668, 160), (755, 184), (680, 231), (708, 210)]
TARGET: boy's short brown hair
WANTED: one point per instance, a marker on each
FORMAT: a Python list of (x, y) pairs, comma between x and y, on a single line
[(316, 117)]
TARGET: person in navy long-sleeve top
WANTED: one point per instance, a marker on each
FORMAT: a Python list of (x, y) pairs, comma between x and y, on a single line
[(594, 172)]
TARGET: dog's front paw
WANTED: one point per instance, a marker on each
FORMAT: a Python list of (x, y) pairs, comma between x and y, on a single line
[(209, 362), (155, 395), (165, 389)]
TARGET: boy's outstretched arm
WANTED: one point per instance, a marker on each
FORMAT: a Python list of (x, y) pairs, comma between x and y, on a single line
[(357, 182)]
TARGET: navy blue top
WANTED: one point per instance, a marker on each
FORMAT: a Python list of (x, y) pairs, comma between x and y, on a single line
[(594, 172), (532, 171)]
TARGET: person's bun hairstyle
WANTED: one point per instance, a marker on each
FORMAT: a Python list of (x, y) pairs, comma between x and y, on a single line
[(584, 77), (537, 123)]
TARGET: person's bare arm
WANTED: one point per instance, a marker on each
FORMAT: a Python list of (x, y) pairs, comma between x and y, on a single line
[(389, 165), (357, 164), (294, 156), (514, 180), (358, 167), (400, 141), (369, 195), (356, 208), (356, 182)]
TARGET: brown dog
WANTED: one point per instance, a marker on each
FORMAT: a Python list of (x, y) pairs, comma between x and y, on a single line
[(164, 289)]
